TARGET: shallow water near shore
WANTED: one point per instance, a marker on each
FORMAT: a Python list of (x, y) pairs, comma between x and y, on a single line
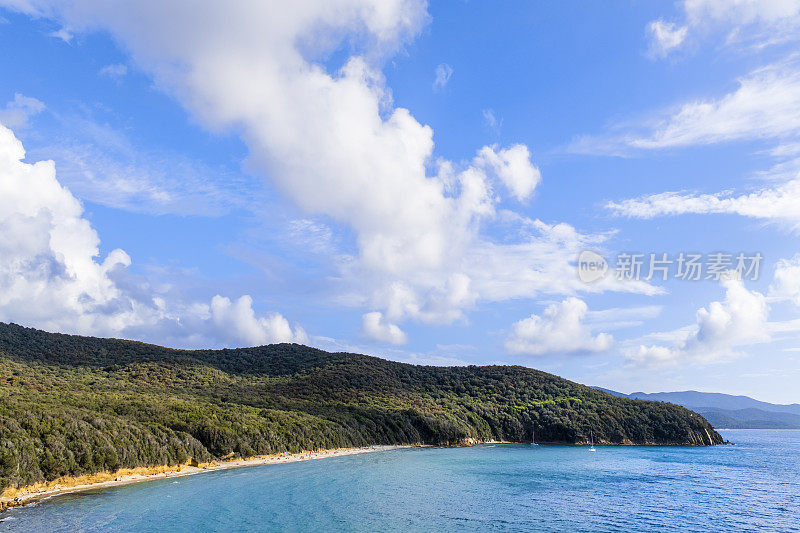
[(754, 485)]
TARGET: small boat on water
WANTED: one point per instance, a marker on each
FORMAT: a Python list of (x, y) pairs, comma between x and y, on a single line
[(533, 438), (591, 446)]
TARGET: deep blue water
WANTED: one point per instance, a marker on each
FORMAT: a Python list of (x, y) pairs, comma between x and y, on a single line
[(753, 486)]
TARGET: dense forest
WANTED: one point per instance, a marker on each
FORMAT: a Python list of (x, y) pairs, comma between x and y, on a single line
[(73, 405)]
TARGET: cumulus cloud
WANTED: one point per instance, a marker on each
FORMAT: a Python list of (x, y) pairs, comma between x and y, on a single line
[(513, 167), (332, 141), (560, 329), (786, 284), (375, 326), (52, 276), (541, 263), (665, 37), (238, 317), (18, 111), (741, 319), (48, 269), (443, 305), (443, 74)]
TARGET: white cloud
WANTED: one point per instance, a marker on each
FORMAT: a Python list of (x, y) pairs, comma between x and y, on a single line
[(102, 165), (443, 74), (625, 317), (560, 329), (491, 121), (786, 284), (740, 318), (51, 275), (239, 319), (334, 143), (63, 33), (543, 262), (513, 166), (18, 111), (744, 23), (114, 71), (312, 236), (765, 105), (47, 266), (392, 353), (779, 203), (665, 37), (742, 12), (720, 329), (376, 327)]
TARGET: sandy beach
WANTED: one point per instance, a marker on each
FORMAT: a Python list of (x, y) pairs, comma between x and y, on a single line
[(25, 495)]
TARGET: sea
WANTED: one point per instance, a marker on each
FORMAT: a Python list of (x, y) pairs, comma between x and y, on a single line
[(752, 485)]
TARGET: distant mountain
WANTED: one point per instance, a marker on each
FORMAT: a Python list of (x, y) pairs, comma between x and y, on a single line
[(751, 419), (726, 410)]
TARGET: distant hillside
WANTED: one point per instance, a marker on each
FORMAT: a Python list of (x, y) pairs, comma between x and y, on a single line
[(727, 411), (73, 405), (751, 419)]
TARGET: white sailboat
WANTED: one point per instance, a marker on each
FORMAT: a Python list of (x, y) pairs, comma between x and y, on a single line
[(533, 438), (591, 446)]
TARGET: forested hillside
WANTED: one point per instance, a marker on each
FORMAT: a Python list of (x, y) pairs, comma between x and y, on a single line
[(73, 405)]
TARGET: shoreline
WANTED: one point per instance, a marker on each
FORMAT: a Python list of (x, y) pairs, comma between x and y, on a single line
[(22, 496)]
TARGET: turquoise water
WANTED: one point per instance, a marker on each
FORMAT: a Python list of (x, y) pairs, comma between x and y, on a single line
[(753, 486)]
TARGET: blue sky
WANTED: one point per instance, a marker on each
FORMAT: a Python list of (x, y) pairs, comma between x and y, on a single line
[(411, 181)]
